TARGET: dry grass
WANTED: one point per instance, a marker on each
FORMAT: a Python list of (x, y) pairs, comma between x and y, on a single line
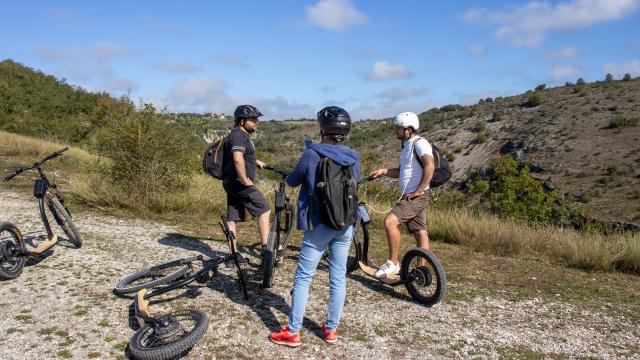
[(204, 198), (491, 234), (13, 145), (199, 200)]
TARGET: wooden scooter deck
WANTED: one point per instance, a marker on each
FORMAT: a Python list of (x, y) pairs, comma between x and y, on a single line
[(392, 280), (44, 246)]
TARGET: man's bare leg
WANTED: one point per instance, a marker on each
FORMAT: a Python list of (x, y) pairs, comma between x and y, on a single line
[(232, 228), (422, 241), (391, 226), (263, 225)]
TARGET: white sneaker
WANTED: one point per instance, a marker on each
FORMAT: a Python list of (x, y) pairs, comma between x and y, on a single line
[(387, 269)]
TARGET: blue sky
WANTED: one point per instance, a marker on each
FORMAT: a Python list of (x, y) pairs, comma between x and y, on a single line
[(290, 58)]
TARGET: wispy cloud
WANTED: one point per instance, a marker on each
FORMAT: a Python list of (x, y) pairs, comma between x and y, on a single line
[(618, 70), (566, 72), (335, 15), (565, 53), (401, 93), (477, 49), (90, 65), (229, 59), (383, 70), (176, 67), (157, 25), (528, 24)]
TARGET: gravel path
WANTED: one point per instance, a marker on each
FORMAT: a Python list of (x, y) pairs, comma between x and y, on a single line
[(62, 307)]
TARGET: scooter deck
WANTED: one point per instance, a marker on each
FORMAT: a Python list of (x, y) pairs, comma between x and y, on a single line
[(44, 246), (392, 280)]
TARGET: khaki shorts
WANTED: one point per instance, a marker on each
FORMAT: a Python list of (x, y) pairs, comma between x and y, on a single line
[(411, 213)]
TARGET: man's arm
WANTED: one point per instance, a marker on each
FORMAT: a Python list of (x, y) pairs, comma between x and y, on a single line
[(392, 173), (238, 160)]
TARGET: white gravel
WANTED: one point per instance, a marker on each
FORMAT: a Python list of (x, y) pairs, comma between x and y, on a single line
[(62, 306)]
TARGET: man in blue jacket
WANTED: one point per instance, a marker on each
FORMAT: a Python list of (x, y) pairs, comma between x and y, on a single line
[(335, 125)]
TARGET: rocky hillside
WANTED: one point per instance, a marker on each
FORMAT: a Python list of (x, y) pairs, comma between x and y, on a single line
[(583, 140)]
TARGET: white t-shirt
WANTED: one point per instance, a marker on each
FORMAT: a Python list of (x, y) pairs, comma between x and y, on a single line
[(410, 169)]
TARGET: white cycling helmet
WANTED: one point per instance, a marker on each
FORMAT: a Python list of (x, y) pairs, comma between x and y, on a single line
[(407, 120)]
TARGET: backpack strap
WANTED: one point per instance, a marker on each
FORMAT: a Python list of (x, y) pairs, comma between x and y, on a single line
[(415, 152)]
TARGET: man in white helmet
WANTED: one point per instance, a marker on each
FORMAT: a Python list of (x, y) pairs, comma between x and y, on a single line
[(414, 174)]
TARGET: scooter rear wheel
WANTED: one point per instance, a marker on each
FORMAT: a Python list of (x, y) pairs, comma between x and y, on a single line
[(424, 276)]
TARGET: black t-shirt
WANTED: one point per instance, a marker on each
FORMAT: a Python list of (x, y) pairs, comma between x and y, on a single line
[(238, 141)]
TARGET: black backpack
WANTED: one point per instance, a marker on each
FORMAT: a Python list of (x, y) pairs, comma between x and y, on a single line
[(338, 198), (212, 161), (442, 171)]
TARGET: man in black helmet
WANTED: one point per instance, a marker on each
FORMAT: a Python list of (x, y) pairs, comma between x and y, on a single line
[(335, 125), (239, 171)]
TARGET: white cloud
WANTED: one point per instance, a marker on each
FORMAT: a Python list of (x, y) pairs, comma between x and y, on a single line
[(281, 108), (382, 70), (176, 67), (230, 60), (204, 94), (401, 93), (335, 15), (565, 53), (528, 24), (566, 72), (90, 65), (477, 49), (387, 110), (200, 94), (618, 70)]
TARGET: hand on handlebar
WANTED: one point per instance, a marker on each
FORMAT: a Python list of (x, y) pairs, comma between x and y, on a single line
[(378, 172)]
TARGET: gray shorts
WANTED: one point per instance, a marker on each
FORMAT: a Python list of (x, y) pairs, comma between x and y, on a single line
[(411, 213), (253, 201)]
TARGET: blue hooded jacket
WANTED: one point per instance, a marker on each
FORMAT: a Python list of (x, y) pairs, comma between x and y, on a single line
[(305, 174)]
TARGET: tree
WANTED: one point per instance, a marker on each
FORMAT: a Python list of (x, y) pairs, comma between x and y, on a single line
[(540, 87), (627, 77), (580, 81), (608, 77)]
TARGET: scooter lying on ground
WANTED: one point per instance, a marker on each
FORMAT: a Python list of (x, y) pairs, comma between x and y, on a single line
[(173, 334), (421, 272)]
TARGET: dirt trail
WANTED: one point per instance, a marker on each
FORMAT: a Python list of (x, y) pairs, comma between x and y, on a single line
[(62, 307)]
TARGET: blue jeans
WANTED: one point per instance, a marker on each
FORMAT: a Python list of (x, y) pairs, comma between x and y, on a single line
[(314, 243)]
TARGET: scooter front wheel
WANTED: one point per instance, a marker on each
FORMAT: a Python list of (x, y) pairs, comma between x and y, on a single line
[(11, 258), (178, 333), (423, 276)]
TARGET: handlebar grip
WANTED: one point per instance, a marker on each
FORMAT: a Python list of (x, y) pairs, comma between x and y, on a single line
[(9, 177), (268, 167)]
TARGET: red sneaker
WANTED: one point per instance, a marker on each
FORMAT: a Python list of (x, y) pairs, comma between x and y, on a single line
[(284, 337), (330, 336)]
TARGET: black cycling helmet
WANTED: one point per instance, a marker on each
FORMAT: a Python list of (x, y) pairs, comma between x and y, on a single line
[(334, 120), (246, 112)]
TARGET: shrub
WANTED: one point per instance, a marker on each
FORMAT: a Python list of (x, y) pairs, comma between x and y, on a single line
[(497, 116), (621, 122), (451, 107), (580, 81), (626, 77), (540, 87), (149, 155), (478, 127), (568, 83), (480, 138), (608, 77), (533, 101), (513, 193)]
